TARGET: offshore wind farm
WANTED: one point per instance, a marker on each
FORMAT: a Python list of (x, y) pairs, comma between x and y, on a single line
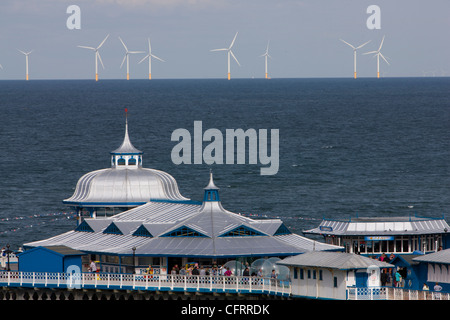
[(304, 39), (126, 58)]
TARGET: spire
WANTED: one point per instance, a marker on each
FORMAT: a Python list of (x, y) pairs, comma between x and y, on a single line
[(126, 147), (126, 156), (211, 191)]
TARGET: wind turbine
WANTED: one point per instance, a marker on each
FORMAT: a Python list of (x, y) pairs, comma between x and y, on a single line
[(149, 56), (266, 55), (97, 56), (378, 54), (127, 53), (354, 54), (26, 62), (229, 53)]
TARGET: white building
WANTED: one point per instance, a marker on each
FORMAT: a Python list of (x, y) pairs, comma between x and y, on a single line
[(327, 275)]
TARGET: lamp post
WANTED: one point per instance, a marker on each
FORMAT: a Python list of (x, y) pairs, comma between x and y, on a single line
[(134, 255), (8, 252)]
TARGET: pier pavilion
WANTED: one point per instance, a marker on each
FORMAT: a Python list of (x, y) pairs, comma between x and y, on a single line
[(125, 185), (163, 234), (377, 235)]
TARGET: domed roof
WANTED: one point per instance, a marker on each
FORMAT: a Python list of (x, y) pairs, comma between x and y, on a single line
[(124, 187), (126, 183)]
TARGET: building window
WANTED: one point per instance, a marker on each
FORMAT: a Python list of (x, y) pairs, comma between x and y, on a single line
[(132, 161), (295, 273), (113, 229), (320, 274), (121, 162), (302, 275), (142, 232), (335, 282), (184, 232), (282, 230), (309, 274), (242, 231)]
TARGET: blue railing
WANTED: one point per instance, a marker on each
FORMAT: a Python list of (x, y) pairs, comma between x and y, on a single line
[(120, 281)]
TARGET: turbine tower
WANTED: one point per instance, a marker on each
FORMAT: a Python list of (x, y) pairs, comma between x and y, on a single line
[(229, 53), (26, 62), (149, 56), (266, 55), (127, 53), (378, 54), (354, 54), (97, 56)]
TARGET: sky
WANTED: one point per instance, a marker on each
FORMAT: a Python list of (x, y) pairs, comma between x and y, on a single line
[(304, 38)]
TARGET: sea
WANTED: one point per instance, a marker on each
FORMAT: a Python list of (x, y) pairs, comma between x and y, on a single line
[(347, 148)]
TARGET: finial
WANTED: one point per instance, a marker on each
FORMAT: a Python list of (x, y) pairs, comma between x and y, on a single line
[(211, 184)]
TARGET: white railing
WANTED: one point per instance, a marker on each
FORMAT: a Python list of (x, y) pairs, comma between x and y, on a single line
[(392, 293), (233, 284)]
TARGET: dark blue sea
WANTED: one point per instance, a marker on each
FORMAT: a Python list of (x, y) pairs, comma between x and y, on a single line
[(347, 148)]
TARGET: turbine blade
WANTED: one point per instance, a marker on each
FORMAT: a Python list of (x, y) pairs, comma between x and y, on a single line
[(147, 56), (347, 43), (157, 58), (371, 52), (149, 46), (224, 49), (100, 58), (22, 52), (234, 39), (381, 44), (124, 57), (126, 49), (91, 48), (384, 59), (1, 67), (232, 54), (363, 45), (136, 52), (103, 42)]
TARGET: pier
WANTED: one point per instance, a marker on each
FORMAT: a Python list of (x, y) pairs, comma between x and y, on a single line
[(77, 286), (110, 286)]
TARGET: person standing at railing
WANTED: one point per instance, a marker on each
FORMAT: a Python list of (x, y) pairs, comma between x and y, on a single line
[(92, 267), (437, 294)]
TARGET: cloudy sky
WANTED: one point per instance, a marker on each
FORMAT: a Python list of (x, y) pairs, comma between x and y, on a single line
[(304, 37)]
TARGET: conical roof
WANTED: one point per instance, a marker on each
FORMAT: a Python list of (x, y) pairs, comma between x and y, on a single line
[(126, 147)]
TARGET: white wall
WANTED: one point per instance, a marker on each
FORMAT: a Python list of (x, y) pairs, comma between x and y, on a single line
[(316, 288)]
